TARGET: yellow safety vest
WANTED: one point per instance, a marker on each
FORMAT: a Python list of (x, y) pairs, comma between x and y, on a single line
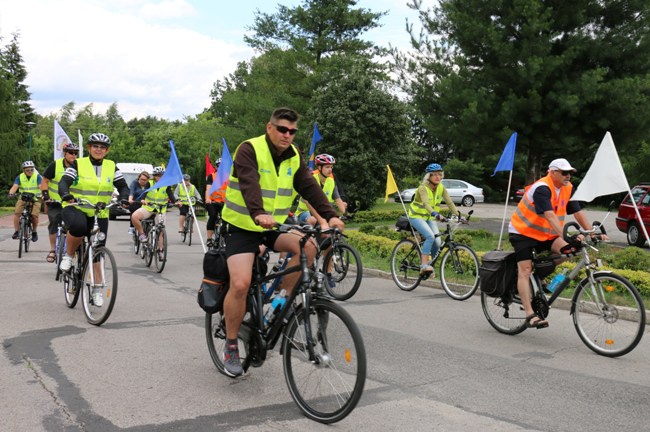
[(417, 208), (156, 196), (328, 189), (29, 185), (191, 190), (277, 188), (88, 186), (53, 184)]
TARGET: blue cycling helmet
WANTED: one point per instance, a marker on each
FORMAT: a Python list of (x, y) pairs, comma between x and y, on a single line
[(433, 167)]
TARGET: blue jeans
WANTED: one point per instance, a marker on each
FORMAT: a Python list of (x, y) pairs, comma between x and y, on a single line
[(428, 229)]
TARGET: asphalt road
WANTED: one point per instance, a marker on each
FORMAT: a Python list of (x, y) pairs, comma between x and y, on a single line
[(434, 364)]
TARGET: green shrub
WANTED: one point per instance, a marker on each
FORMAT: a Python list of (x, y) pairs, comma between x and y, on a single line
[(367, 228), (376, 246), (463, 237), (630, 258), (364, 216)]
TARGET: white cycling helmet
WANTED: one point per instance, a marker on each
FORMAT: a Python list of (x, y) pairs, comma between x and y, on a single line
[(28, 164)]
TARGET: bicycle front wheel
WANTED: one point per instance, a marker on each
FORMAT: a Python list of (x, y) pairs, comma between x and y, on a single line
[(504, 314), (190, 229), (160, 253), (609, 316), (99, 286), (459, 272), (21, 236), (148, 248), (344, 271), (328, 388), (27, 239), (405, 265)]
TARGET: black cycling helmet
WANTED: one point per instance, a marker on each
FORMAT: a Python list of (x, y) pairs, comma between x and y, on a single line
[(99, 138), (69, 147)]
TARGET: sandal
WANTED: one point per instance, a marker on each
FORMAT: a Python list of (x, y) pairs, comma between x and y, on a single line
[(538, 324), (51, 257)]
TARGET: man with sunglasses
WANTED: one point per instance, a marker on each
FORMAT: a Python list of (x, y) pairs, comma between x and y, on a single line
[(50, 192), (267, 173), (92, 178), (537, 224), (29, 182)]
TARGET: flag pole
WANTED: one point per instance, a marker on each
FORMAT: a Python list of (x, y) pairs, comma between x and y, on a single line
[(505, 211), (196, 222), (390, 175)]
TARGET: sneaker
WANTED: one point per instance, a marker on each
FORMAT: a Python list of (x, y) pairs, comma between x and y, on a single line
[(231, 363), (142, 238), (131, 230), (98, 298), (330, 281), (426, 269), (66, 263), (16, 235), (34, 236)]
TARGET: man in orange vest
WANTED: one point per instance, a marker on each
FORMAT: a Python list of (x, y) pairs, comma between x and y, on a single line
[(537, 223)]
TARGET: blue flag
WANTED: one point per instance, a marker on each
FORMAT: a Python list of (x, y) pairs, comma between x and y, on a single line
[(173, 174), (223, 173), (312, 151), (507, 160)]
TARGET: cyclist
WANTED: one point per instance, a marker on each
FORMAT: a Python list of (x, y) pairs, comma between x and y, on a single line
[(27, 182), (537, 224), (137, 194), (185, 203), (160, 196), (266, 174), (92, 178), (50, 192), (214, 202), (425, 210)]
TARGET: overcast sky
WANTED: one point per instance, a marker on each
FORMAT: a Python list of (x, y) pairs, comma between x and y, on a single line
[(152, 57)]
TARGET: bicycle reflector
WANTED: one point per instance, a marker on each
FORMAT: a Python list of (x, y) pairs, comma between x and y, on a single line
[(609, 288)]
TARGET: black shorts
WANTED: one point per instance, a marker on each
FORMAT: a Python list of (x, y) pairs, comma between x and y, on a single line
[(240, 241), (79, 224), (184, 210), (524, 246), (54, 217)]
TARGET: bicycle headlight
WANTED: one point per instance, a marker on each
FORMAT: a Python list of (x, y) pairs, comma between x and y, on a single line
[(101, 236)]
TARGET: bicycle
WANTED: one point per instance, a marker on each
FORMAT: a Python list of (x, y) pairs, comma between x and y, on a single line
[(59, 247), (607, 310), (323, 354), (188, 226), (155, 248), (25, 228), (89, 280), (458, 262)]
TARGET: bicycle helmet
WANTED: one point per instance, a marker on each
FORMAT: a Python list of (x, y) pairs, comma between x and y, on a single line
[(218, 161), (325, 159), (70, 147), (28, 164), (433, 167), (158, 170), (99, 138), (186, 176)]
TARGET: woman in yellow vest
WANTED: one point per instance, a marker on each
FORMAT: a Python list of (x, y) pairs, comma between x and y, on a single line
[(179, 193), (92, 178), (323, 175), (50, 191), (28, 182), (425, 210), (537, 223)]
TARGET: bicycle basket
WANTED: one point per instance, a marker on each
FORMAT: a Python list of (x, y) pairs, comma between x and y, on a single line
[(403, 223), (498, 273)]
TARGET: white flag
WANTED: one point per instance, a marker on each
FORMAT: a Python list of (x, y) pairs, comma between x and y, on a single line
[(60, 139), (605, 175), (81, 145)]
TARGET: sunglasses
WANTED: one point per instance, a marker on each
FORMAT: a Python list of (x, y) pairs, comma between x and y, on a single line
[(284, 129), (564, 173), (29, 170), (73, 153), (99, 146)]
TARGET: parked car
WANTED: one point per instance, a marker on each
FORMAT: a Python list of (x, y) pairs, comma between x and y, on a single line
[(518, 195), (627, 221), (460, 192), (130, 171)]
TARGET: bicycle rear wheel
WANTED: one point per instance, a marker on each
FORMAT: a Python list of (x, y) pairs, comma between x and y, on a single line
[(160, 250), (459, 272), (328, 389), (99, 289), (609, 316), (405, 265), (148, 248), (215, 336), (343, 265), (504, 315)]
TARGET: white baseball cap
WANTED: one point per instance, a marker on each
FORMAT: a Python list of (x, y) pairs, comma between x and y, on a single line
[(560, 165)]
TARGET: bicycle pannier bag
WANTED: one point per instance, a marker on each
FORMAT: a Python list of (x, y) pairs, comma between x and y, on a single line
[(215, 283), (498, 273), (403, 223)]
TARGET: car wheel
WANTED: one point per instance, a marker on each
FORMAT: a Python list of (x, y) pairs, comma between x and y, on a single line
[(468, 201), (634, 235)]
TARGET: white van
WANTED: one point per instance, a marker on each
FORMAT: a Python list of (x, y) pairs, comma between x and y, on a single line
[(130, 171)]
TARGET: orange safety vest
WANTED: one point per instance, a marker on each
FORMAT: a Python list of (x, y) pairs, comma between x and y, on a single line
[(220, 194), (530, 224)]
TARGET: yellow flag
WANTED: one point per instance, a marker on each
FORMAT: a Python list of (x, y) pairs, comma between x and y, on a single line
[(391, 186)]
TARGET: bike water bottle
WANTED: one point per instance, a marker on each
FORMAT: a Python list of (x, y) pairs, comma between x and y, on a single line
[(557, 280), (278, 265), (276, 306)]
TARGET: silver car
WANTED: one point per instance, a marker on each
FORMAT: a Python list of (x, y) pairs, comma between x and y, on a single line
[(460, 192)]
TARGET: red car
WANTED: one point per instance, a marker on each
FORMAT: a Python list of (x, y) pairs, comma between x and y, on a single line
[(627, 221)]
